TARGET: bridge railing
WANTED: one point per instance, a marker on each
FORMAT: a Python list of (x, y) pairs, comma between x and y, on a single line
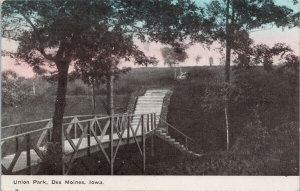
[(78, 132), (105, 132), (181, 137)]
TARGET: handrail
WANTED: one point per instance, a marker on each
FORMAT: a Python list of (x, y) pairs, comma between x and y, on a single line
[(49, 119), (23, 134), (64, 124), (169, 125)]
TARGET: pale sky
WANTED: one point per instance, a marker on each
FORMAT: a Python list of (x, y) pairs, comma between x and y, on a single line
[(268, 36)]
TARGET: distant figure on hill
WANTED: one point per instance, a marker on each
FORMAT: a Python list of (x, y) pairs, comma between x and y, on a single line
[(211, 61)]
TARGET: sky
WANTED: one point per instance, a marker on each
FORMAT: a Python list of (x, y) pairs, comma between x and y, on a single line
[(268, 36)]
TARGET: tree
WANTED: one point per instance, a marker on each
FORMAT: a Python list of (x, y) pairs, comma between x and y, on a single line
[(100, 65), (198, 58), (12, 91), (53, 34), (234, 19), (172, 56)]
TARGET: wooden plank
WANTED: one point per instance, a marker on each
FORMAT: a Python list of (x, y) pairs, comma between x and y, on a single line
[(41, 138), (100, 146), (14, 161), (134, 136), (69, 140), (119, 142), (37, 150), (105, 129), (76, 150), (4, 170), (138, 126), (71, 124)]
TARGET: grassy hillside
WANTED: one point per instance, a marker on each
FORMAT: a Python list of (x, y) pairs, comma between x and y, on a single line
[(263, 120)]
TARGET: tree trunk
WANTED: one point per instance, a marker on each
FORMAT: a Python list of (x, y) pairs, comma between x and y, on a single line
[(93, 98), (227, 72), (54, 151), (110, 94)]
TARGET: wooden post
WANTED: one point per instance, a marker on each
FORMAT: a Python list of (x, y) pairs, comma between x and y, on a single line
[(63, 150), (17, 144), (89, 138), (186, 143), (28, 154), (128, 128), (49, 135), (147, 130), (111, 145), (155, 121), (152, 135), (75, 130), (143, 143)]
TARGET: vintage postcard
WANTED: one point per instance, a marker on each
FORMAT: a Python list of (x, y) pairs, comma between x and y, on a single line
[(150, 95)]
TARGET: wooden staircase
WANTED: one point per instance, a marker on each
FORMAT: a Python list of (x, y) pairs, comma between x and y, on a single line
[(152, 102), (166, 137)]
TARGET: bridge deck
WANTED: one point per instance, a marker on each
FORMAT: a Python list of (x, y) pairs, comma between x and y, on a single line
[(82, 135), (21, 164)]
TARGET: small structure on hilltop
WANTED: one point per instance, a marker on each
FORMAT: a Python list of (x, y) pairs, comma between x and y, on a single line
[(183, 75), (211, 61)]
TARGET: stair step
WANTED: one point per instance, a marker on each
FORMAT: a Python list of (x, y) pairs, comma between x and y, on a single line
[(148, 104), (198, 155), (171, 140)]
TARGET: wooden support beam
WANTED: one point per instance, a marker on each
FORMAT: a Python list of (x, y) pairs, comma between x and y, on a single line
[(28, 156), (111, 145), (89, 138), (49, 136), (186, 143), (143, 145), (152, 135), (128, 128), (17, 144), (63, 151)]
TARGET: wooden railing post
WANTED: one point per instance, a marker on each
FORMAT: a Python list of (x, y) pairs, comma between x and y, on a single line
[(186, 142), (154, 120), (17, 144), (75, 130), (63, 150), (148, 120), (89, 138), (143, 143), (128, 128), (152, 135), (49, 135), (28, 154), (111, 145)]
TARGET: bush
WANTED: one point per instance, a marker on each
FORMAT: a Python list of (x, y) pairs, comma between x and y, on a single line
[(77, 87), (13, 91)]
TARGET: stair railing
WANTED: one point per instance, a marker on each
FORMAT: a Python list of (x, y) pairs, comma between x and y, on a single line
[(186, 138)]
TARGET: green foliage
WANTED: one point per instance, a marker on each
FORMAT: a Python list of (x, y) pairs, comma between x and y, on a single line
[(77, 87), (261, 151), (173, 55), (14, 91)]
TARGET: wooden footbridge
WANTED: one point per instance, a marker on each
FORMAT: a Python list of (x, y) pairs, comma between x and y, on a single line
[(24, 146)]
